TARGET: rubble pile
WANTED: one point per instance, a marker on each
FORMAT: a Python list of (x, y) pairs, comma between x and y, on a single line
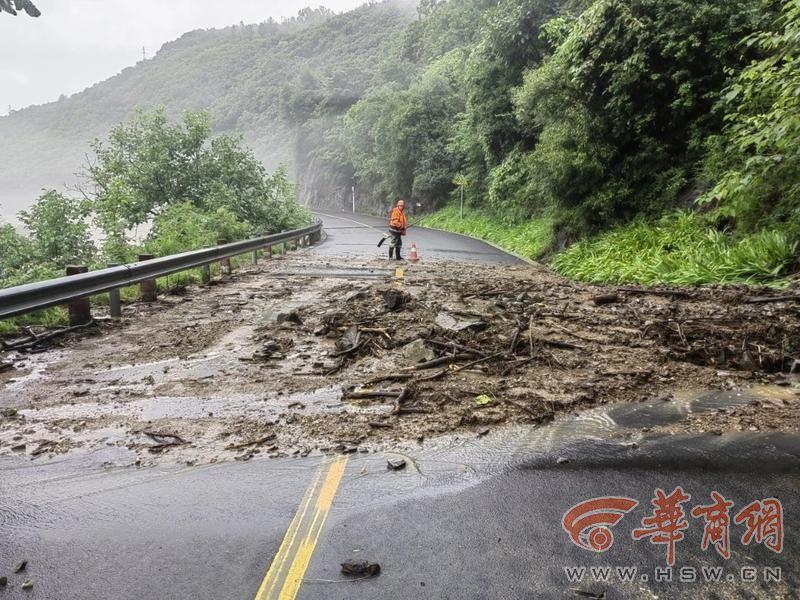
[(280, 362)]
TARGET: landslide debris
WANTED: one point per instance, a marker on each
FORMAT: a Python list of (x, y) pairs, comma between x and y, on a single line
[(285, 364)]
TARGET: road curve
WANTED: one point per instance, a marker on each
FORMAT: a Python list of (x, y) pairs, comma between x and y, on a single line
[(353, 234)]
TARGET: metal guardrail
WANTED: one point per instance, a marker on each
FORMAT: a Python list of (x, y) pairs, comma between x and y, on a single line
[(31, 297)]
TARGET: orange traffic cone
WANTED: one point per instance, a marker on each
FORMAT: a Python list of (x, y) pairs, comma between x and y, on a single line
[(412, 255)]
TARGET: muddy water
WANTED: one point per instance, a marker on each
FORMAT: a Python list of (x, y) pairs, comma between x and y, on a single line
[(463, 457), (625, 425)]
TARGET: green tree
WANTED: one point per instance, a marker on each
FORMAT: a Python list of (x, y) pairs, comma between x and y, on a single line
[(755, 163), (16, 251), (59, 229), (149, 164)]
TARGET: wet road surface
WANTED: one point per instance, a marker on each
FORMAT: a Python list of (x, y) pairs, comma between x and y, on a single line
[(349, 234), (466, 518)]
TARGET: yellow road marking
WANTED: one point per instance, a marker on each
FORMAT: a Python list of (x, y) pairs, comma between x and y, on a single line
[(283, 579)]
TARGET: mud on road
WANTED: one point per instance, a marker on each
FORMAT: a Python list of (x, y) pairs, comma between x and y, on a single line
[(311, 354)]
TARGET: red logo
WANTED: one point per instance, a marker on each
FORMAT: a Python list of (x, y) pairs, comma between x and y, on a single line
[(668, 521), (589, 523), (763, 520), (717, 527)]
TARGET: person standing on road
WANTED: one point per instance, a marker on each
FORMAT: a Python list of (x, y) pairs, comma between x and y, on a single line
[(398, 224)]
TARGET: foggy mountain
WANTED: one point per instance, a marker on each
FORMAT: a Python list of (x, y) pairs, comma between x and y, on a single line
[(276, 84)]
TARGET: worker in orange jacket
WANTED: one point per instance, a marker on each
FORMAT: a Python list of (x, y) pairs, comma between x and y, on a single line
[(398, 224)]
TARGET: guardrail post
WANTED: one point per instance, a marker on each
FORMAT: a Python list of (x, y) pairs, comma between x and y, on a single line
[(147, 288), (224, 263), (268, 250), (284, 248), (114, 300), (80, 311), (255, 257), (205, 274)]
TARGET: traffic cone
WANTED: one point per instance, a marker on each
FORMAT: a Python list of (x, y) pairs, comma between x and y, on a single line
[(412, 255)]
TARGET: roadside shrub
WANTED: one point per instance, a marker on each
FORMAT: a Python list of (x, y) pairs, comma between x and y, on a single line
[(679, 249)]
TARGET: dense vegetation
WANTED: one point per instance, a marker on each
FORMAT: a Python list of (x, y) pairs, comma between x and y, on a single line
[(639, 140), (585, 116), (187, 188)]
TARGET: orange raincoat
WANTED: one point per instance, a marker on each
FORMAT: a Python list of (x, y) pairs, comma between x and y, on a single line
[(398, 221)]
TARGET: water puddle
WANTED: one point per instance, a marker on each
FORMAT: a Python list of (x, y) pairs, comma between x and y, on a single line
[(30, 368), (233, 406)]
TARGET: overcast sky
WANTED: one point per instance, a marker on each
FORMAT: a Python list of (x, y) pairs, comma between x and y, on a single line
[(76, 43)]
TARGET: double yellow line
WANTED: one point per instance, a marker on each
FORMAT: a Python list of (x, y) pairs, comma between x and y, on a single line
[(283, 579)]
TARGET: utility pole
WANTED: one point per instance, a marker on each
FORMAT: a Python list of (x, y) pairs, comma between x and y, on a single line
[(460, 180), (144, 53), (353, 188)]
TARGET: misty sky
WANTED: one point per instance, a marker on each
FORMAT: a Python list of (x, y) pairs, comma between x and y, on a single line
[(76, 43)]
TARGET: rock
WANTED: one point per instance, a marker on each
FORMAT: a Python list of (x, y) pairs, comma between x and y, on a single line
[(19, 448), (21, 566), (361, 568), (561, 460), (448, 322), (777, 402), (27, 585), (417, 352), (483, 431), (349, 340), (395, 299), (291, 316), (8, 412), (605, 299), (396, 464), (3, 581), (355, 295)]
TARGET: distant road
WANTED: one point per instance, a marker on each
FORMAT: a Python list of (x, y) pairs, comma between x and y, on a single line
[(349, 234)]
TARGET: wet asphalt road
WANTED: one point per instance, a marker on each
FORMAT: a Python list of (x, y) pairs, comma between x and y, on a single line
[(470, 518), (349, 234)]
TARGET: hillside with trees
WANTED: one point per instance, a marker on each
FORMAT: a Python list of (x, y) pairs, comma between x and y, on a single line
[(647, 141)]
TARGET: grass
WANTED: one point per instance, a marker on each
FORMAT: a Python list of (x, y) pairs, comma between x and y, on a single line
[(49, 318), (530, 239), (679, 249)]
